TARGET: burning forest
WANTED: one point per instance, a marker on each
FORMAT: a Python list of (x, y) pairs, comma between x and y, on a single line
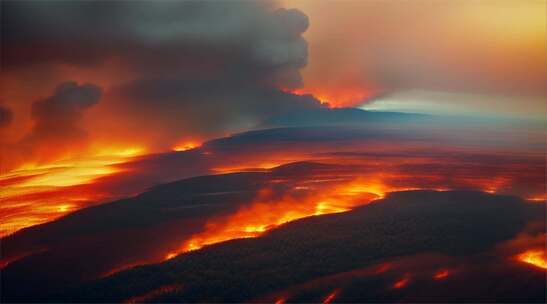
[(272, 151)]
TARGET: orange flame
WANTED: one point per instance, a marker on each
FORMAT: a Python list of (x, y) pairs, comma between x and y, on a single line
[(534, 257), (186, 145), (266, 213), (46, 192)]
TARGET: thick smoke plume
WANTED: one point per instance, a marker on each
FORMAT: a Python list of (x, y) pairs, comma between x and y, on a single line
[(194, 68)]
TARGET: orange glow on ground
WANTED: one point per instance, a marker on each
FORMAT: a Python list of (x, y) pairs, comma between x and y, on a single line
[(46, 192), (534, 257), (266, 213), (441, 274)]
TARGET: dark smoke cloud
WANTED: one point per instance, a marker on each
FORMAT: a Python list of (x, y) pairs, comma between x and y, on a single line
[(201, 67), (181, 38), (57, 117), (6, 116)]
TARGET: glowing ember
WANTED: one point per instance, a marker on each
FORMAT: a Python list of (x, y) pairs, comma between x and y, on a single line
[(402, 282), (534, 257), (280, 301), (331, 297), (441, 274), (382, 268)]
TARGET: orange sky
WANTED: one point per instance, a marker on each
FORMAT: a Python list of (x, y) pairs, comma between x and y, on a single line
[(490, 47)]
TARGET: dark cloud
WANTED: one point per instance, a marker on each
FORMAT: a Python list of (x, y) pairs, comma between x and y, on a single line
[(6, 116), (204, 68), (168, 37), (57, 117)]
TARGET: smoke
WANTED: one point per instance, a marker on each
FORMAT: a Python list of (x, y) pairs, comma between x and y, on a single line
[(6, 116), (57, 130), (57, 117), (194, 68)]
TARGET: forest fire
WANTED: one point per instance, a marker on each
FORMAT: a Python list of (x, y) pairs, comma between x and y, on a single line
[(34, 194), (534, 257), (266, 212)]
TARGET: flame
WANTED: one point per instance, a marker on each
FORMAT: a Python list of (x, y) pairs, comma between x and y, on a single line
[(266, 213), (186, 145), (44, 192), (441, 274), (534, 257)]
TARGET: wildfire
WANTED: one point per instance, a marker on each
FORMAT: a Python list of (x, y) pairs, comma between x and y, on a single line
[(534, 257), (34, 193), (266, 213)]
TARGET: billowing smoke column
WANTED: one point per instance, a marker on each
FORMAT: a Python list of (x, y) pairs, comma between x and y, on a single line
[(191, 68)]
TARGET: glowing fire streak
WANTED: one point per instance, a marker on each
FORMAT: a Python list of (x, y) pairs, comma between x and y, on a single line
[(265, 214), (187, 145), (441, 274), (44, 192), (534, 257), (401, 283), (331, 297), (382, 268)]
